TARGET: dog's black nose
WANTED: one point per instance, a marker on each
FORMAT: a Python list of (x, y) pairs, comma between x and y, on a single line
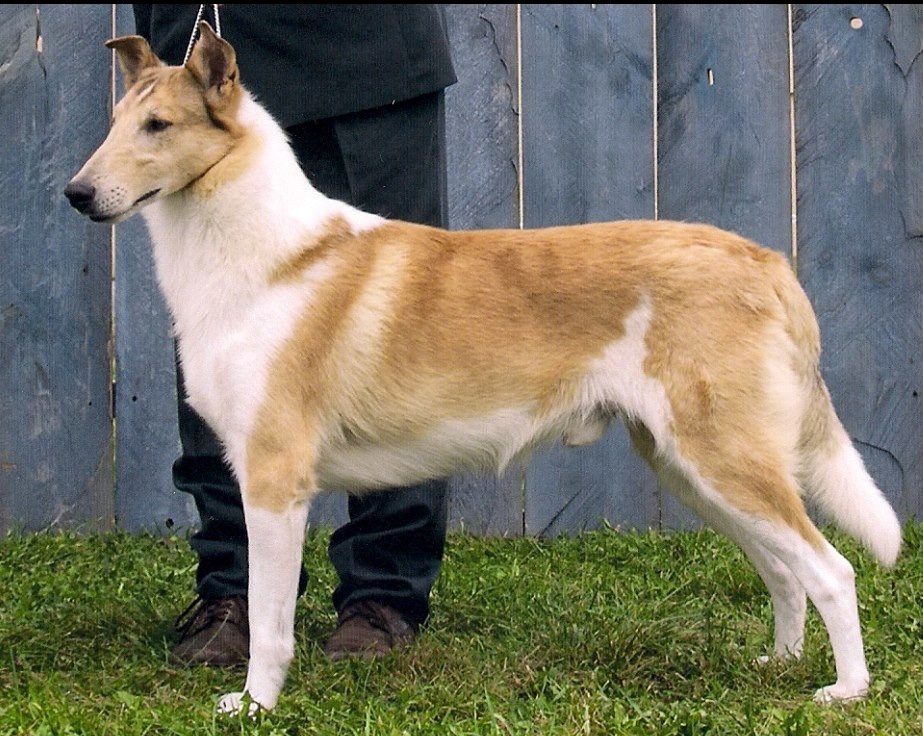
[(80, 195)]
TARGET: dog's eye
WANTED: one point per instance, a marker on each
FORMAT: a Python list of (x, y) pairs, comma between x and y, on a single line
[(156, 125)]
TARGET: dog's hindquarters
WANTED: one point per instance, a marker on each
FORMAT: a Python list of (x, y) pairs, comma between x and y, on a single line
[(791, 556), (749, 483)]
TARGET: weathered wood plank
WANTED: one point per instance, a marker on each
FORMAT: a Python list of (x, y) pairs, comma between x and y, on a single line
[(483, 190), (147, 438), (587, 156), (55, 432), (587, 115), (724, 153), (482, 117), (859, 133)]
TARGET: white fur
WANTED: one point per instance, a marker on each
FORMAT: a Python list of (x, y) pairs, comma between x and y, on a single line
[(227, 316), (617, 378), (842, 488), (217, 251)]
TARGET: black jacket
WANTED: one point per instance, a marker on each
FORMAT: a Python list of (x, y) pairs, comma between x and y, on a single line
[(308, 62)]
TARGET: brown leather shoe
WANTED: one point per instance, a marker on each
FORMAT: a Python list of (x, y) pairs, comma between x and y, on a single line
[(368, 629), (213, 632)]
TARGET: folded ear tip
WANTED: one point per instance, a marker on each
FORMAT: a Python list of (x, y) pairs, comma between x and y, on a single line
[(113, 42), (123, 40)]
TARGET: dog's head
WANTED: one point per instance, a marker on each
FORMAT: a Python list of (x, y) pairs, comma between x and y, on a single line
[(173, 124)]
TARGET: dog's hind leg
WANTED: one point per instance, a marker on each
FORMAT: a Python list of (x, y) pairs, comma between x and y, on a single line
[(829, 580), (776, 541), (788, 596), (758, 506), (789, 600)]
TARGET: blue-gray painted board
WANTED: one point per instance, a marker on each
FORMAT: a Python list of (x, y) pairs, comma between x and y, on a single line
[(482, 117), (586, 97), (482, 139), (724, 152), (859, 112), (147, 438), (859, 135), (587, 112), (55, 433)]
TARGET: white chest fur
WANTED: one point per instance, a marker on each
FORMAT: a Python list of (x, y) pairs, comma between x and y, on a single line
[(215, 255)]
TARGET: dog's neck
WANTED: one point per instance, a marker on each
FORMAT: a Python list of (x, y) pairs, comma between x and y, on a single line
[(217, 242)]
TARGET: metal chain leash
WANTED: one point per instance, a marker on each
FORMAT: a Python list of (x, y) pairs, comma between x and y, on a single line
[(195, 28)]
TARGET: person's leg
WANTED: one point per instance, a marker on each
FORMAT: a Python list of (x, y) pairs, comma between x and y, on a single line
[(220, 542), (391, 548), (213, 629), (390, 161)]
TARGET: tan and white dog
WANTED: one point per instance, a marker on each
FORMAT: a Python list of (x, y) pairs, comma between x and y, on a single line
[(331, 348)]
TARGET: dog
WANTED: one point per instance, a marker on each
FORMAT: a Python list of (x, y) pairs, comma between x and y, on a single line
[(333, 348)]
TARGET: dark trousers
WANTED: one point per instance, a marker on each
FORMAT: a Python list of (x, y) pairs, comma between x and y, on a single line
[(390, 161)]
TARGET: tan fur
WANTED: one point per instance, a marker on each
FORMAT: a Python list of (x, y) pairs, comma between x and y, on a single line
[(528, 291), (205, 158), (327, 344)]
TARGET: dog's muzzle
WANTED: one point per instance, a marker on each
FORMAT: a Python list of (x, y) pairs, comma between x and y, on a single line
[(86, 200)]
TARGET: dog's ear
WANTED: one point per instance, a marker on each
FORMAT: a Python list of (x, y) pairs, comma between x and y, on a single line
[(134, 56), (213, 63)]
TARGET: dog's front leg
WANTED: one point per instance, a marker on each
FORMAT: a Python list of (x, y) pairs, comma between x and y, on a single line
[(275, 546)]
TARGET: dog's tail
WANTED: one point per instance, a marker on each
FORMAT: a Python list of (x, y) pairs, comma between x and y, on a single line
[(831, 471), (836, 481)]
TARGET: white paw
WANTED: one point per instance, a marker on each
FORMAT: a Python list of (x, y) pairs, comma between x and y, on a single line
[(233, 704), (838, 693), (781, 657)]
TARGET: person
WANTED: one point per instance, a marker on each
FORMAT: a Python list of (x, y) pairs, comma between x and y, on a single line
[(360, 92)]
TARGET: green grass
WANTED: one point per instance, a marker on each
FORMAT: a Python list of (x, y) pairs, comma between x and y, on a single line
[(602, 633)]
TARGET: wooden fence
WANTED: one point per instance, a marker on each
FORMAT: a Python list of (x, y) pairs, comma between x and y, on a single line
[(800, 126)]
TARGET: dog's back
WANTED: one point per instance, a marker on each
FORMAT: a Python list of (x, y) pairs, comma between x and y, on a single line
[(331, 348)]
